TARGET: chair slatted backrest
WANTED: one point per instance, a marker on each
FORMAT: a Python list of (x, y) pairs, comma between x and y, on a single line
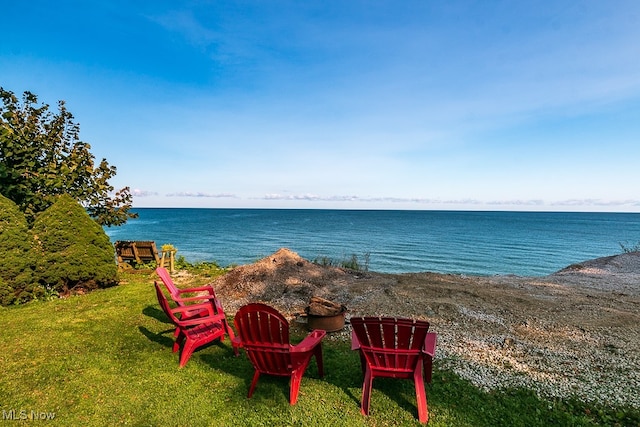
[(164, 303), (146, 251), (392, 344), (168, 282), (265, 337)]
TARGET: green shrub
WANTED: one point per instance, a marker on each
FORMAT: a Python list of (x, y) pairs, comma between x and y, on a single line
[(351, 263), (74, 252), (16, 262)]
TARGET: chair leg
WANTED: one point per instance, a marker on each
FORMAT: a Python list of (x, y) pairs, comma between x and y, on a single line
[(252, 387), (428, 369), (366, 392), (179, 341), (294, 386), (421, 395), (363, 363), (228, 330), (318, 353), (187, 350), (235, 347)]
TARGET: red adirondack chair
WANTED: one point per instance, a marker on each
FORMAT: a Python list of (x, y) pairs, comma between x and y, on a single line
[(192, 332), (264, 334), (394, 348), (202, 293)]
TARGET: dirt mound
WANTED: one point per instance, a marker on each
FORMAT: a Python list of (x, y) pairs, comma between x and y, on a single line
[(283, 279)]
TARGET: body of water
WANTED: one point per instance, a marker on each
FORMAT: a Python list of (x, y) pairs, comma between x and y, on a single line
[(461, 242)]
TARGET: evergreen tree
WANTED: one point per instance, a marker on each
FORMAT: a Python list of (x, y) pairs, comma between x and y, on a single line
[(73, 251), (16, 262)]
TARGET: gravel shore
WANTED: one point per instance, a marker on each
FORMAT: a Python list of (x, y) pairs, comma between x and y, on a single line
[(573, 333)]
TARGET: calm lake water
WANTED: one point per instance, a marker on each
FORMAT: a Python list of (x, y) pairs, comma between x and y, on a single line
[(478, 243)]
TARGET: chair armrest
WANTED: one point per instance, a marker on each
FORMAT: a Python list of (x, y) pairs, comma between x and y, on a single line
[(177, 298), (217, 318), (206, 288), (194, 307), (208, 318), (430, 344), (211, 297), (310, 341), (355, 343)]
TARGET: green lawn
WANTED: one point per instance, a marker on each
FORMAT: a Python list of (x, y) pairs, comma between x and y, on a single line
[(105, 359)]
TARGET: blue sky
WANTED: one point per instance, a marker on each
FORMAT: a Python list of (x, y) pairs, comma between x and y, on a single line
[(481, 105)]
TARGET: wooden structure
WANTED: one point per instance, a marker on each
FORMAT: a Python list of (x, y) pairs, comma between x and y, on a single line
[(264, 334), (130, 252), (394, 348), (168, 256)]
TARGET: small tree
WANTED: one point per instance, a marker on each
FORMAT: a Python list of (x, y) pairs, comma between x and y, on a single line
[(16, 262), (41, 157), (73, 251)]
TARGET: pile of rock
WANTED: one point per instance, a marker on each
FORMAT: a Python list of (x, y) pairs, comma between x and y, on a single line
[(323, 307)]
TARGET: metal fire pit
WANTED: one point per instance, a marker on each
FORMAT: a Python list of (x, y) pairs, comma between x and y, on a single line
[(328, 323)]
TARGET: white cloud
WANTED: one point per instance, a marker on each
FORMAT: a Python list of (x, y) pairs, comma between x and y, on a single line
[(596, 202), (416, 200), (136, 192), (200, 194), (311, 197)]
